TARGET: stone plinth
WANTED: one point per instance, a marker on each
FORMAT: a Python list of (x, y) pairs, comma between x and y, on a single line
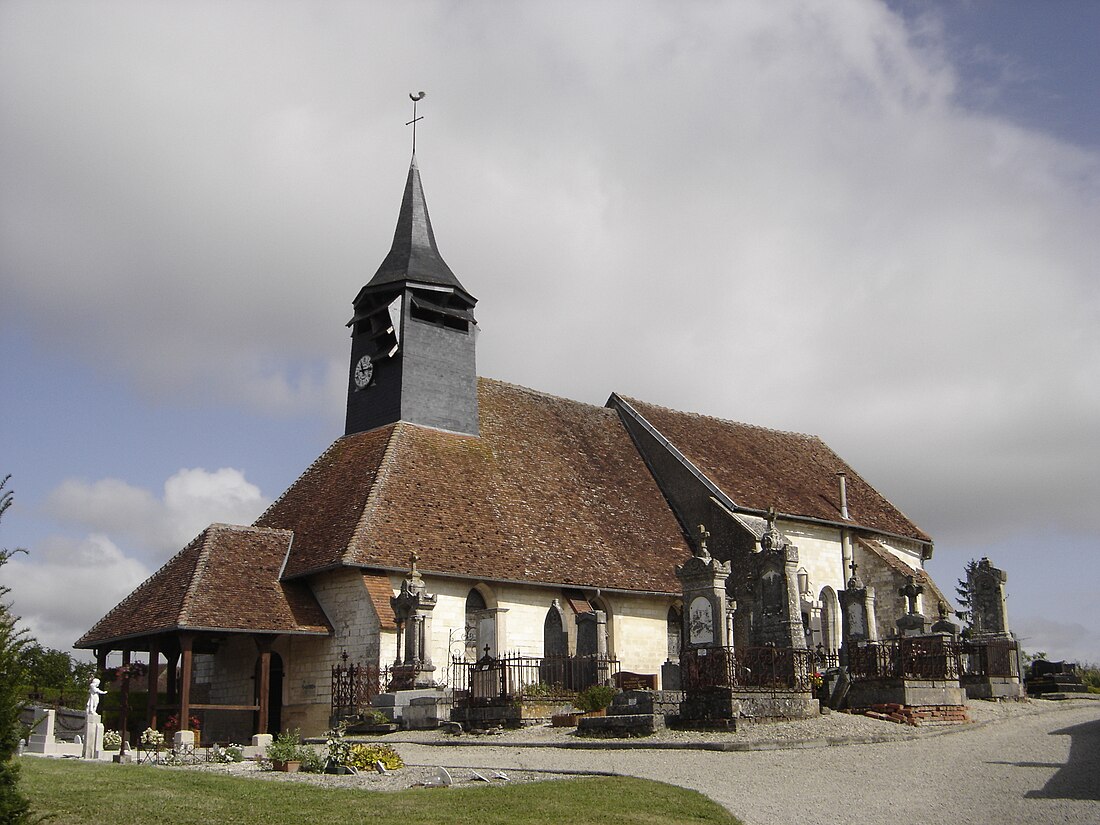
[(992, 687), (43, 739), (93, 737), (394, 703), (909, 692), (737, 705)]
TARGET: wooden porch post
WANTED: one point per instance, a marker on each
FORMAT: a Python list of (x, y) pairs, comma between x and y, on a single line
[(101, 654), (152, 681), (263, 644), (172, 682), (186, 642), (124, 698)]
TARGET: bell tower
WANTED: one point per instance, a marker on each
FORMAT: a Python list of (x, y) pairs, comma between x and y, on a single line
[(413, 334)]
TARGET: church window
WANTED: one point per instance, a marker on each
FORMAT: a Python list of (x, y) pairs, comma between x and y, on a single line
[(555, 641), (675, 632), (480, 626)]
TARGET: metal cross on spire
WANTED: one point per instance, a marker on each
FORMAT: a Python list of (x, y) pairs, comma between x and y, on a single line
[(415, 98)]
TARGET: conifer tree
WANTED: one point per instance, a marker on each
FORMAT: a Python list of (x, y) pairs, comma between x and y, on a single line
[(14, 807), (964, 595)]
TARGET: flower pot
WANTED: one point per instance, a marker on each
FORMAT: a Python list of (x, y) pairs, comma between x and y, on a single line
[(290, 766)]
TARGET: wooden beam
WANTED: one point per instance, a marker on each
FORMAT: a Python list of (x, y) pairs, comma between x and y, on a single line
[(172, 686), (151, 683), (186, 642), (252, 708), (264, 688), (124, 703)]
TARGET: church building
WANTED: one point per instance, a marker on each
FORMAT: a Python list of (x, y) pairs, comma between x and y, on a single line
[(527, 517)]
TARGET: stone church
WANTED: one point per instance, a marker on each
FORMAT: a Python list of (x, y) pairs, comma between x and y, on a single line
[(530, 517)]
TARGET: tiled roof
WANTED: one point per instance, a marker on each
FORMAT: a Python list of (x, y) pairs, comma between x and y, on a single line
[(380, 592), (552, 491), (901, 568), (760, 468), (325, 504), (226, 579)]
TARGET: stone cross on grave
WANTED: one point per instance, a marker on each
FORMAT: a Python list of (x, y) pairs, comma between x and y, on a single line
[(855, 582), (704, 534)]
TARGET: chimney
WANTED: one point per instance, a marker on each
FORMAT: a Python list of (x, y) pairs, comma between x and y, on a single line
[(843, 496)]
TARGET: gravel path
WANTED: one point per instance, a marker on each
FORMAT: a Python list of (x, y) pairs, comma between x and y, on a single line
[(1037, 762)]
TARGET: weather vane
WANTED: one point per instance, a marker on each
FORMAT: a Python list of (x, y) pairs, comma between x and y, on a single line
[(415, 98)]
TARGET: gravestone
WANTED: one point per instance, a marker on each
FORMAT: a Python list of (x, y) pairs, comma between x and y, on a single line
[(913, 623), (413, 608), (857, 602), (703, 581), (989, 614), (777, 596)]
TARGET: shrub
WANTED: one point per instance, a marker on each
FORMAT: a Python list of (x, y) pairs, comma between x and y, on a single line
[(365, 757), (311, 759), (286, 747), (338, 748), (594, 698)]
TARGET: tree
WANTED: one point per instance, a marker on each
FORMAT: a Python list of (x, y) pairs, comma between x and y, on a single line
[(14, 807), (964, 595)]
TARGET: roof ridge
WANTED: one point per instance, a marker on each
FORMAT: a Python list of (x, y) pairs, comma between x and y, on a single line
[(207, 536), (371, 504), (539, 393), (137, 591), (633, 401)]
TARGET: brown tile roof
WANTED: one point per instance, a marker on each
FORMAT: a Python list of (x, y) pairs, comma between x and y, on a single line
[(380, 591), (226, 579), (325, 504), (552, 491), (876, 548), (760, 468)]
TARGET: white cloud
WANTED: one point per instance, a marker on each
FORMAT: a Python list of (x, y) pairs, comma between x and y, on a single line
[(770, 212), (156, 527), (66, 585)]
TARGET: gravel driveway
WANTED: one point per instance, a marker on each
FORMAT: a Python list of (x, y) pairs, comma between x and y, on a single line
[(1039, 764)]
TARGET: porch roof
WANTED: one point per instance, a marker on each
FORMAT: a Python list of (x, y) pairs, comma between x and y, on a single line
[(226, 581)]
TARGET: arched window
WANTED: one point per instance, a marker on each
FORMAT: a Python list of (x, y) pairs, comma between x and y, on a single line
[(480, 626), (555, 641), (675, 632), (830, 620)]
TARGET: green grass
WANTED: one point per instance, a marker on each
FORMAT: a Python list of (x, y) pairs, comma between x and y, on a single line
[(78, 793)]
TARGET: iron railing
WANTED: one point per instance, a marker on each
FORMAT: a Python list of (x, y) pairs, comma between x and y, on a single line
[(754, 668), (354, 686), (512, 676), (998, 658), (919, 657)]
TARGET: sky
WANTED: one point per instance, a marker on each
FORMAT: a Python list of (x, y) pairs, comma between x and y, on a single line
[(877, 223)]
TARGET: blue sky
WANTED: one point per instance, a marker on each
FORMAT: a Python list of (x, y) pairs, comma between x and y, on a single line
[(871, 222)]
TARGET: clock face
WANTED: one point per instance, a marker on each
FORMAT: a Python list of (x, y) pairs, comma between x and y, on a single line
[(363, 372)]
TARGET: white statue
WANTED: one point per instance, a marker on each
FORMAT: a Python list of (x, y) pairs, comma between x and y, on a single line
[(93, 697)]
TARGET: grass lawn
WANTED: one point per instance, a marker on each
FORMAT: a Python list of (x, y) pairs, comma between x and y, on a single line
[(78, 793)]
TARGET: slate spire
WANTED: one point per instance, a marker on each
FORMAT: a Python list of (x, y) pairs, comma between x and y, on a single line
[(414, 256)]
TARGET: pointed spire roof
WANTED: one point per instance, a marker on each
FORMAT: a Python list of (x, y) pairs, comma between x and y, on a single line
[(413, 255)]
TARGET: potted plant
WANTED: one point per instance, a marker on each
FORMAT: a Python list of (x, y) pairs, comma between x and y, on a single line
[(594, 700), (285, 752)]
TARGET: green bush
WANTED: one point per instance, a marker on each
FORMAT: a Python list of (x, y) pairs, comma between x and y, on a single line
[(311, 759), (596, 697), (286, 747), (365, 757)]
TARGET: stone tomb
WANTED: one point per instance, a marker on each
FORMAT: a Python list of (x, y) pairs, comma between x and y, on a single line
[(719, 686)]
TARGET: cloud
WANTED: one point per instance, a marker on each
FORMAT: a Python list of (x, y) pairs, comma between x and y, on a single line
[(784, 215), (156, 527), (62, 588)]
